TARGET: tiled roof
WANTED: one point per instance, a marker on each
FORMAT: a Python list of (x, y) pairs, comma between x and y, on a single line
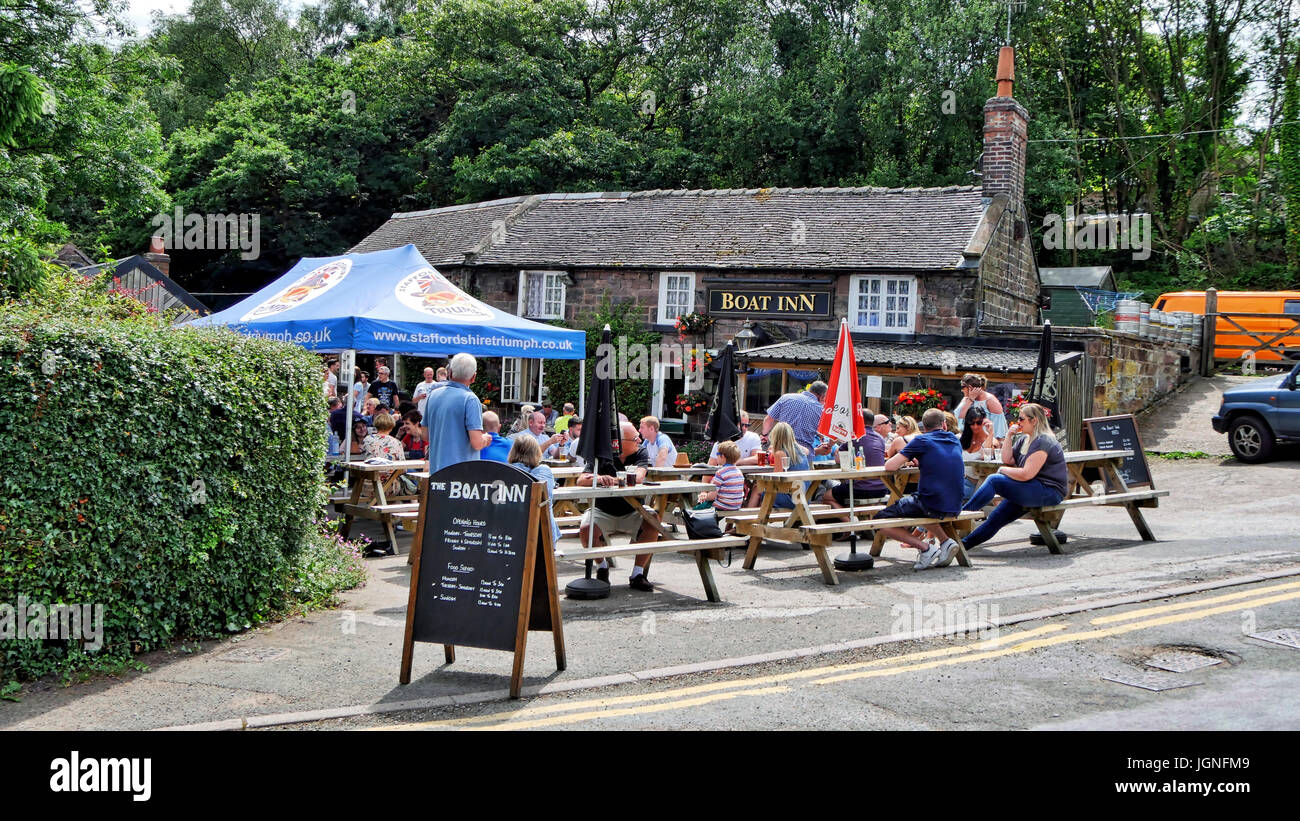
[(443, 236), (960, 357), (1090, 276), (773, 228)]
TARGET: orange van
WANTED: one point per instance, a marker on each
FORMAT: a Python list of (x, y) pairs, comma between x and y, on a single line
[(1229, 340)]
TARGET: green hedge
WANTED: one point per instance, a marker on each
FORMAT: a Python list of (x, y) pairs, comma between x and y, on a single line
[(105, 426)]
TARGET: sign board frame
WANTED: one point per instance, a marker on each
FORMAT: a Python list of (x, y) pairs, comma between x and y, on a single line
[(1139, 454), (539, 603)]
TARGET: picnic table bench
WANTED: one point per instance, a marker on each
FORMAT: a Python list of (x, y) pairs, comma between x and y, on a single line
[(1114, 492), (661, 493), (801, 526)]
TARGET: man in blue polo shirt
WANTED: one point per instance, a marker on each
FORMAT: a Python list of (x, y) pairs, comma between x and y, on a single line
[(454, 417), (939, 490)]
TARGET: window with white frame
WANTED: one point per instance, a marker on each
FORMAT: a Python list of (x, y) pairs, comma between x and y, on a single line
[(676, 296), (541, 294), (882, 304), (510, 379)]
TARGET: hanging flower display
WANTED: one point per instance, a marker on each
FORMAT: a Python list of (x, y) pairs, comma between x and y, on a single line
[(1017, 402), (914, 403), (692, 402), (692, 324)]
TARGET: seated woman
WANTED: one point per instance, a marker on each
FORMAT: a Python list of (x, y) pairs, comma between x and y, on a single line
[(413, 435), (381, 444), (976, 435), (787, 454), (360, 432), (973, 395), (1033, 475), (526, 454), (908, 429)]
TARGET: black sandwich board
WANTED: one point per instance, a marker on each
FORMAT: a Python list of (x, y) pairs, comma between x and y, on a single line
[(1121, 433), (483, 565)]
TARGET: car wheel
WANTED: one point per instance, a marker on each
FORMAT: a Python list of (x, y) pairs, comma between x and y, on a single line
[(1250, 439)]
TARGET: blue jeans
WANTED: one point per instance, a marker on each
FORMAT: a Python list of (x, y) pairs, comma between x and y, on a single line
[(1016, 497)]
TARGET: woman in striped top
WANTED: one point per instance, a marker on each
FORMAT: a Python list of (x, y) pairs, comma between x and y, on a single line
[(728, 483)]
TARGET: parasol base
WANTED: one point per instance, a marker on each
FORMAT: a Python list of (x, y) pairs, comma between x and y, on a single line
[(587, 589), (854, 561), (1037, 538)]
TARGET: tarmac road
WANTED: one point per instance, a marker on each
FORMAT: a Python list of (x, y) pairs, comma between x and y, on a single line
[(1040, 674), (1225, 524)]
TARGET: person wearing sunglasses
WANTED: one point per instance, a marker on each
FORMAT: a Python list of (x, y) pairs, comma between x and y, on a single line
[(1033, 474), (747, 443)]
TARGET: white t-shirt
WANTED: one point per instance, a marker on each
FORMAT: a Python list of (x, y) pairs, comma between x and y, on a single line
[(748, 443)]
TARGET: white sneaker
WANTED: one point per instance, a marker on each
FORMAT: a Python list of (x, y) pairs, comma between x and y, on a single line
[(947, 551), (925, 560)]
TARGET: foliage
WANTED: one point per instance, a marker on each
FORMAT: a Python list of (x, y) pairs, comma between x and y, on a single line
[(1012, 409), (697, 451), (326, 565), (632, 395), (914, 403), (170, 475), (691, 402)]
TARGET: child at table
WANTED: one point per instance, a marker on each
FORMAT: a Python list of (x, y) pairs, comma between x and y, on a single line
[(728, 483)]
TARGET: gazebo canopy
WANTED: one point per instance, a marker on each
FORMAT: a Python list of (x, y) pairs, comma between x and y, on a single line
[(389, 302)]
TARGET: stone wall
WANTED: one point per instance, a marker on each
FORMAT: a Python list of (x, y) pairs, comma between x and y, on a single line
[(946, 302), (1131, 371), (1008, 278)]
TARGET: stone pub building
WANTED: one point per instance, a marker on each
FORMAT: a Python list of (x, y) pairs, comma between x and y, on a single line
[(922, 274)]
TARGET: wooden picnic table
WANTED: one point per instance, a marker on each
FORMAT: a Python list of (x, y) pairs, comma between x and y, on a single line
[(794, 527), (1114, 492), (661, 493), (367, 474)]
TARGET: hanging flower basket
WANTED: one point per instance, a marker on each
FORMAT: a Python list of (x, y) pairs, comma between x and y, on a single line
[(1013, 407), (693, 402), (692, 324), (699, 360), (915, 403)]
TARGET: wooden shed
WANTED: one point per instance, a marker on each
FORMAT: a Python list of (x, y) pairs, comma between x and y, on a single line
[(1068, 307)]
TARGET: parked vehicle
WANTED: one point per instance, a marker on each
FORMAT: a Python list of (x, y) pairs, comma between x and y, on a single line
[(1229, 340), (1260, 414)]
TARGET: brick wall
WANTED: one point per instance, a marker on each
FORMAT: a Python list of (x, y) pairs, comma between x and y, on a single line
[(1008, 278)]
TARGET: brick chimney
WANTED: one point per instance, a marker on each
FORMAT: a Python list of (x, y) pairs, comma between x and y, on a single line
[(157, 255), (1006, 133)]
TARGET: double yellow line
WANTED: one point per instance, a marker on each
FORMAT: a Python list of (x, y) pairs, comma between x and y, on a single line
[(553, 714)]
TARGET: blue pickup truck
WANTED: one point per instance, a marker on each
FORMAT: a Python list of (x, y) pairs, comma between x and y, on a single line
[(1259, 415)]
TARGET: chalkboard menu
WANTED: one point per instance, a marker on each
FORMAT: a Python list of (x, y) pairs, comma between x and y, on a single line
[(483, 567), (1121, 433)]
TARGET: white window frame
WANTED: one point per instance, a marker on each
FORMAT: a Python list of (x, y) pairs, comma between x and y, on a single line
[(856, 283), (511, 366), (548, 278), (659, 403), (664, 317)]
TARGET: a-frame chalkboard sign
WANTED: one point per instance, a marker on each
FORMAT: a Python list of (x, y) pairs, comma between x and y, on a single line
[(1120, 433), (483, 565)]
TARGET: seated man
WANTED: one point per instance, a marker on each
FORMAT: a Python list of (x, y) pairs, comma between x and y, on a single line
[(498, 449), (747, 443), (562, 424), (938, 493), (657, 445), (617, 515), (537, 430), (568, 444), (865, 491)]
